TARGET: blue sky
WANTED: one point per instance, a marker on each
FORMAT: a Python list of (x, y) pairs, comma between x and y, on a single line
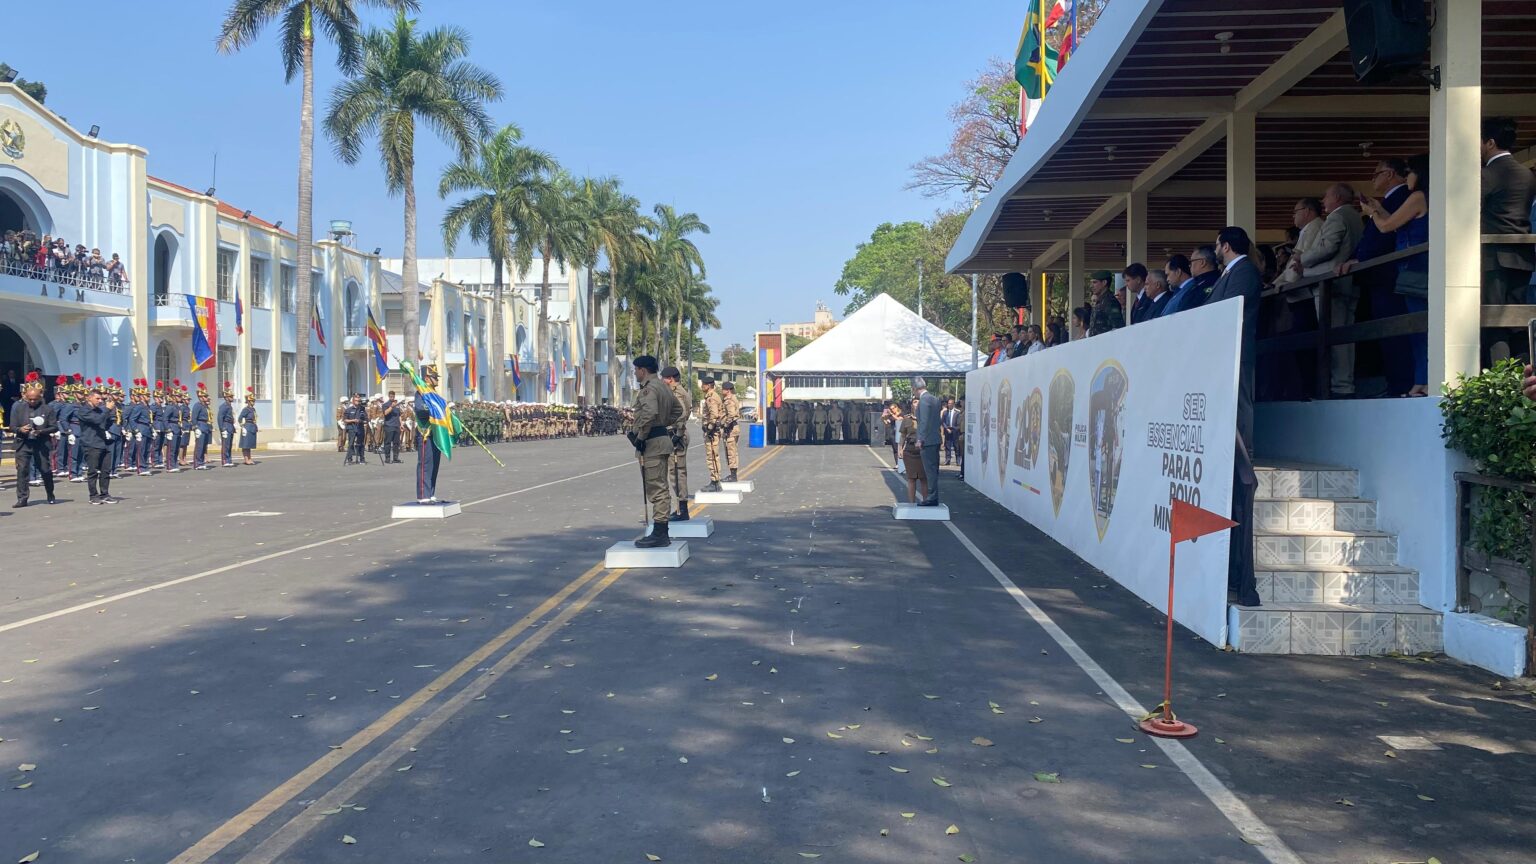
[(788, 127)]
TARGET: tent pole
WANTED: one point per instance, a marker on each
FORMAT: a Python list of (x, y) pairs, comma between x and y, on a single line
[(975, 360)]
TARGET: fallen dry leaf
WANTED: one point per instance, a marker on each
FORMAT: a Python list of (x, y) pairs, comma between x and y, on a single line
[(941, 782), (1047, 777), (952, 830), (348, 839), (898, 770), (981, 742), (711, 677)]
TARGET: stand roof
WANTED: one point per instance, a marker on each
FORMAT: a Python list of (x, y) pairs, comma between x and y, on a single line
[(883, 339)]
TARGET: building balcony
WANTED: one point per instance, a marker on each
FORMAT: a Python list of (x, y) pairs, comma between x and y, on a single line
[(20, 284)]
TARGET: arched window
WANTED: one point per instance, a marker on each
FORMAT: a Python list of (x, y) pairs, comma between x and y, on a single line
[(354, 310), (165, 262), (165, 363)]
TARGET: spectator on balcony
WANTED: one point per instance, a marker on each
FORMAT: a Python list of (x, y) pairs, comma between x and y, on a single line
[(117, 274), (1378, 284), (1107, 314), (1341, 233), (1408, 225), (96, 267), (1080, 317), (1133, 298), (1508, 189), (1157, 294)]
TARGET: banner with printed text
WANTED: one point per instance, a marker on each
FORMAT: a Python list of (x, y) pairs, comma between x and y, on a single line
[(1091, 441)]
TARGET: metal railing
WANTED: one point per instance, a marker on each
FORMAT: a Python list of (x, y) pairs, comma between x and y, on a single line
[(1513, 577), (88, 277), (1326, 335)]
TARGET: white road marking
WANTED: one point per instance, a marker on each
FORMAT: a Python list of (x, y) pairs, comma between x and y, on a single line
[(254, 513), (1250, 826), (171, 583)]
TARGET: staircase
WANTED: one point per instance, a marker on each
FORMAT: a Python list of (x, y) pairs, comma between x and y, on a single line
[(1327, 576)]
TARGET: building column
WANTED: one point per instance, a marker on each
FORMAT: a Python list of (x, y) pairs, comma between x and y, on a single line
[(1136, 227), (140, 248), (1242, 166), (335, 352), (1077, 275), (242, 370), (1455, 121)]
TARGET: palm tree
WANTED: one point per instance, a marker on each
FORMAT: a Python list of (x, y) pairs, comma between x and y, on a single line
[(300, 18), (612, 226), (557, 225), (698, 312), (678, 259), (504, 180), (408, 78)]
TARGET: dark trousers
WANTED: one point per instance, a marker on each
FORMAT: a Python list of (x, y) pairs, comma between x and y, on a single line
[(1240, 576), (227, 445), (33, 455), (391, 443), (200, 452), (156, 440), (172, 447), (949, 444), (931, 468), (355, 444), (427, 462), (98, 471), (960, 453)]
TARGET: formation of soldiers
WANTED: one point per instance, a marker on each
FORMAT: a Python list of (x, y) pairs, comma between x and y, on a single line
[(387, 425), (95, 431), (822, 422)]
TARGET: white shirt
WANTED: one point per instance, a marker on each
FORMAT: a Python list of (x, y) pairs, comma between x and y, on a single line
[(1496, 157), (1035, 348), (1228, 269)]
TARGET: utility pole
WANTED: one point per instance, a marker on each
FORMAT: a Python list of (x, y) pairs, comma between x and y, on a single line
[(975, 358), (919, 287)]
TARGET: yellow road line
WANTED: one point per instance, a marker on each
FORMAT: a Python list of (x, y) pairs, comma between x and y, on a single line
[(253, 815)]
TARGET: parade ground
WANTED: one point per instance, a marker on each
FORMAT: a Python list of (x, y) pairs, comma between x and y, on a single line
[(258, 665)]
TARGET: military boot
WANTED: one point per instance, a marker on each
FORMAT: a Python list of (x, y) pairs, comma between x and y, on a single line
[(714, 486), (682, 511), (732, 478), (657, 537)]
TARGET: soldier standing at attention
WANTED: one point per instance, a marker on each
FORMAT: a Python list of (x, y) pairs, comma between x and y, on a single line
[(712, 418), (677, 471), (656, 410), (185, 440), (202, 429), (732, 430), (819, 421), (428, 458), (856, 423), (781, 416), (227, 428), (802, 423), (248, 426), (835, 419), (391, 417), (354, 419), (33, 424)]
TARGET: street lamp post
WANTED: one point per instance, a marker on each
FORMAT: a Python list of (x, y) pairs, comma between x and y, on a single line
[(975, 357), (919, 287)]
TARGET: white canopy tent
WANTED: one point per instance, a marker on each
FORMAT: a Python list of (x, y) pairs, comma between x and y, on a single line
[(881, 340)]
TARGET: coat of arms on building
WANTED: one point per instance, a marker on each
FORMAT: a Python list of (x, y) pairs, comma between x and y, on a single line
[(12, 142)]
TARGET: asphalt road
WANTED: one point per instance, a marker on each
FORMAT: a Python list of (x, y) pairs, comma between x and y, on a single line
[(818, 682)]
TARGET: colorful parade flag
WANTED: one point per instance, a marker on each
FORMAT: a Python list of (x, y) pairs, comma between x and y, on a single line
[(205, 332), (315, 325), (471, 369), (1034, 65), (239, 316), (517, 374), (380, 341), (445, 425), (1068, 39), (551, 385)]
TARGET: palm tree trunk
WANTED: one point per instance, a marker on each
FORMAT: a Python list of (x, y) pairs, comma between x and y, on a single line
[(677, 338), (408, 276), (588, 362), (498, 352), (544, 345), (302, 308)]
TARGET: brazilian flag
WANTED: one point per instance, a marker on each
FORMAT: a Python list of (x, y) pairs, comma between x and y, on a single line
[(444, 424)]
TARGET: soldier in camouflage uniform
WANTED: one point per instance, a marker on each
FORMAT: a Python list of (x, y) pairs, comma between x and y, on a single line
[(781, 420), (1107, 314), (656, 411), (835, 421), (677, 472), (712, 418), (732, 430)]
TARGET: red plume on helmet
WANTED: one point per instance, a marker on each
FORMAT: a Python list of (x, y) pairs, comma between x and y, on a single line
[(79, 377), (175, 382), (227, 385), (32, 376), (159, 385), (60, 380), (201, 386)]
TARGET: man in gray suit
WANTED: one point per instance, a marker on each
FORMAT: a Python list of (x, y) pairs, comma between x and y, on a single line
[(1241, 278), (1341, 233), (928, 436), (1507, 190)]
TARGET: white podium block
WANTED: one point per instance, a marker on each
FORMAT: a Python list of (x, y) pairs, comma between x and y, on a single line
[(625, 555), (413, 510), (737, 485), (937, 513), (717, 497), (696, 527)]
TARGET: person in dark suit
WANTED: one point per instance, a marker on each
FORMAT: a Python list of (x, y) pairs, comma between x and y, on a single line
[(1390, 183), (928, 437), (1241, 278), (1508, 188), (1157, 294)]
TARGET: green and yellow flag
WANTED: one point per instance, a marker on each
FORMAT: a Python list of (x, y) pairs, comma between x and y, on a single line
[(444, 424), (1034, 65)]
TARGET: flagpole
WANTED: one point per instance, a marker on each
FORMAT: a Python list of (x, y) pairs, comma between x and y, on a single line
[(1168, 725)]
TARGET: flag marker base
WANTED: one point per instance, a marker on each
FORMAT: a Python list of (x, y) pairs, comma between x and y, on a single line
[(697, 527), (717, 497), (1163, 728), (416, 510)]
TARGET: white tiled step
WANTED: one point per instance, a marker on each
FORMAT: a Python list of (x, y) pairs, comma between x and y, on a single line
[(1335, 628), (1324, 583), (1310, 514), (1306, 481), (1292, 548)]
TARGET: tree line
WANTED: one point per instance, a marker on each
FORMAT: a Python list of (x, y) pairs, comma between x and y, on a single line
[(517, 200)]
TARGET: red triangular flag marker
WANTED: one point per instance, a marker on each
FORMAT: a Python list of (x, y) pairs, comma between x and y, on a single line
[(1190, 522)]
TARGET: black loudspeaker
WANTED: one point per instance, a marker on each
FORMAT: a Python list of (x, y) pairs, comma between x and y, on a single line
[(1016, 290), (1386, 37)]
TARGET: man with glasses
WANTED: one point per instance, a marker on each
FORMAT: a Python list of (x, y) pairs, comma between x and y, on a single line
[(1341, 233), (1390, 183)]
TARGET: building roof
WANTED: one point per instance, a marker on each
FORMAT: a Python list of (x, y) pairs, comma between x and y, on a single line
[(883, 339), (225, 208), (391, 282)]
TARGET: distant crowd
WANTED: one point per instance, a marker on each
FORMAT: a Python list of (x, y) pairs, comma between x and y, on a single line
[(23, 253)]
